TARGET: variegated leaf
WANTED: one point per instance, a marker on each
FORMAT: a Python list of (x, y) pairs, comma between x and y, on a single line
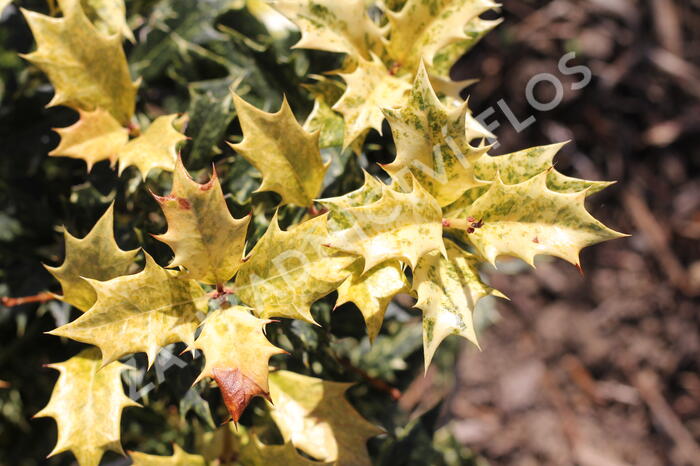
[(370, 88), (109, 16), (317, 418), (422, 28), (96, 136), (445, 58), (432, 144), (401, 226), (156, 147), (208, 242), (333, 26), (528, 218), (179, 458), (236, 353), (96, 256), (373, 291), (87, 68), (139, 313), (256, 453), (448, 289), (287, 156), (287, 271), (87, 404), (522, 165)]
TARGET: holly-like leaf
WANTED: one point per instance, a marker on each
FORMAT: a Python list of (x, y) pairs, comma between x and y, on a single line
[(402, 226), (370, 87), (287, 271), (370, 191), (373, 291), (87, 68), (236, 353), (317, 418), (109, 17), (432, 144), (139, 313), (448, 289), (155, 148), (522, 165), (208, 242), (528, 218), (445, 58), (96, 136), (256, 453), (422, 28), (179, 458), (287, 156), (96, 256), (87, 404), (327, 122), (333, 26)]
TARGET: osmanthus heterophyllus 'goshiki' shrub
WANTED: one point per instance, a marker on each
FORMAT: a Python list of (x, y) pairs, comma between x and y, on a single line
[(448, 207)]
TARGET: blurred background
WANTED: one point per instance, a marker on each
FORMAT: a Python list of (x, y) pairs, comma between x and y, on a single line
[(600, 368)]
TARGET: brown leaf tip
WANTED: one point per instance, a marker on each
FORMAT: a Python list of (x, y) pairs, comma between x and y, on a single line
[(237, 390)]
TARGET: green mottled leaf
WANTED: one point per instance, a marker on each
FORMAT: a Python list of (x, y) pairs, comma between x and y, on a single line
[(528, 218), (422, 28), (401, 226), (373, 291), (432, 144), (87, 68), (522, 165), (139, 313), (448, 289), (287, 271), (370, 88), (333, 26)]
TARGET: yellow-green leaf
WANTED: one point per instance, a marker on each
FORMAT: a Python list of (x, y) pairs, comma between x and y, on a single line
[(445, 59), (139, 313), (96, 136), (87, 404), (256, 453), (109, 16), (179, 458), (432, 144), (287, 271), (448, 289), (96, 256), (373, 291), (208, 242), (317, 418), (287, 156), (236, 352), (333, 26), (370, 192), (370, 88), (528, 218), (87, 68), (422, 28), (522, 165), (401, 226), (155, 148)]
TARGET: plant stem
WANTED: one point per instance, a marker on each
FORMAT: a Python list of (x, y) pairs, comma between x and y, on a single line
[(38, 298)]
